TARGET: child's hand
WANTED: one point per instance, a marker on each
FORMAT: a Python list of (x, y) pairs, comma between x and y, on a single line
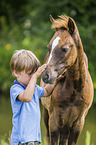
[(40, 70)]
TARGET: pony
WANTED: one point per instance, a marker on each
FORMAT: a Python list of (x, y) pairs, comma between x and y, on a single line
[(66, 108)]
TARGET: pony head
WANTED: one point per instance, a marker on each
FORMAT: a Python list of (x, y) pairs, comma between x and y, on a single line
[(62, 48)]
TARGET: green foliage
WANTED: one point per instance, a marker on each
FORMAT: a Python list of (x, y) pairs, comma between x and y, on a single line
[(4, 141), (88, 138), (26, 24)]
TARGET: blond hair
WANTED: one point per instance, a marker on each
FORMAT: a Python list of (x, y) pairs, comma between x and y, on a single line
[(24, 60)]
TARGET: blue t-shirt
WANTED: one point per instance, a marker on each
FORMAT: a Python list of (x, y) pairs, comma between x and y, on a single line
[(26, 115)]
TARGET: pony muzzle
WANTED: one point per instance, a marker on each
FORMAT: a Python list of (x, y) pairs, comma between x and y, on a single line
[(49, 77)]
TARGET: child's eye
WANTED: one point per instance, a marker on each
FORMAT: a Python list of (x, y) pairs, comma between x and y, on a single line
[(29, 74)]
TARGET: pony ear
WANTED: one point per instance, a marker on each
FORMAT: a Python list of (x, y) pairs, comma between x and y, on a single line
[(71, 26), (52, 19)]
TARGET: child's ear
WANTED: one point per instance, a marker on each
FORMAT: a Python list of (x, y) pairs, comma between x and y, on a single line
[(15, 73)]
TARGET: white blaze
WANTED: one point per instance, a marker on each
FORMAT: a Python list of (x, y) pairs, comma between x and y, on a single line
[(54, 44)]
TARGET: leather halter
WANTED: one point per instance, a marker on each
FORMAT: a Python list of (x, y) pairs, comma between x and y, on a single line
[(61, 76)]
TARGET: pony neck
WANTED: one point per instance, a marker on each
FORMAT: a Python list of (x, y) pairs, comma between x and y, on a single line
[(77, 70)]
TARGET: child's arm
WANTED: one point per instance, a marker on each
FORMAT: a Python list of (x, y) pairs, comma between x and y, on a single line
[(27, 95)]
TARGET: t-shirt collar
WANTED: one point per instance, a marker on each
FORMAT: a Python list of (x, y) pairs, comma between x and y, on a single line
[(16, 82)]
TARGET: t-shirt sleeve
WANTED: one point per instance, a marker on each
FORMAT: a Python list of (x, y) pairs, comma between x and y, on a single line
[(40, 91), (15, 91)]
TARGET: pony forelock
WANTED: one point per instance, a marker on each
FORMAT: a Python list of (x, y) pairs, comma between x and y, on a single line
[(61, 22)]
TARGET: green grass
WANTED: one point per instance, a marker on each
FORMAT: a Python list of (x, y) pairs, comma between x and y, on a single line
[(6, 141)]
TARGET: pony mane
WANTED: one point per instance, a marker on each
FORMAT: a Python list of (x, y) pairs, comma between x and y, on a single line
[(62, 21)]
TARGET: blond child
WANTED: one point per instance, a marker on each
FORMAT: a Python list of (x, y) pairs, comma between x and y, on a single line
[(25, 95)]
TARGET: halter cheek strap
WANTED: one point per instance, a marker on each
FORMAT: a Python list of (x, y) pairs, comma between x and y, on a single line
[(61, 76)]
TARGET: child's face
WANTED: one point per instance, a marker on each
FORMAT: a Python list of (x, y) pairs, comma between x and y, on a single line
[(23, 78)]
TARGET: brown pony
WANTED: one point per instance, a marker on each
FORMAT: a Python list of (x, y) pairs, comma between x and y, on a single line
[(65, 110)]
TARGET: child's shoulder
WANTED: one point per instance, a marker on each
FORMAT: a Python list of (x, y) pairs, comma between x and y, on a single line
[(16, 88), (39, 91), (39, 87)]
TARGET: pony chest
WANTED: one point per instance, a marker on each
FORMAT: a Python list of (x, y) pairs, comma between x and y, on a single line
[(63, 92)]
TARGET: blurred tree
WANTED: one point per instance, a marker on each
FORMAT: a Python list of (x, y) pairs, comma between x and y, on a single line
[(26, 24), (12, 10)]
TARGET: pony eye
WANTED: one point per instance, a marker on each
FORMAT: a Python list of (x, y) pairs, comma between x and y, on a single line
[(65, 49)]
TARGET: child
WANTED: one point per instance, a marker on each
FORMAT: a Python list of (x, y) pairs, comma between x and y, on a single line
[(25, 95)]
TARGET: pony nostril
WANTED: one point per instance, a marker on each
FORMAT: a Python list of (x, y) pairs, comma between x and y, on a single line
[(46, 77)]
